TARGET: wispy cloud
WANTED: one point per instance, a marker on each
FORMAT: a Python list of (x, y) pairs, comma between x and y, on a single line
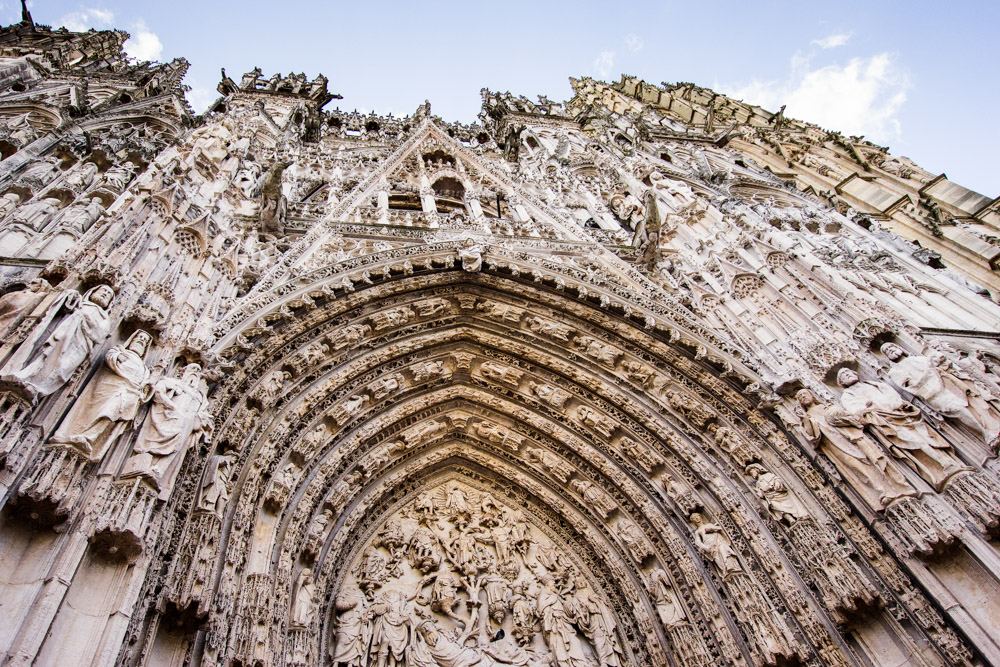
[(862, 97), (604, 64), (634, 43), (832, 41)]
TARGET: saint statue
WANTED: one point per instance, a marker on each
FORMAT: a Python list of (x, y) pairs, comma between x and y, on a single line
[(351, 633), (16, 305), (35, 215), (110, 402), (900, 426), (69, 344), (213, 492), (780, 502), (304, 599), (667, 605), (842, 439), (943, 391), (560, 635), (716, 545), (178, 419)]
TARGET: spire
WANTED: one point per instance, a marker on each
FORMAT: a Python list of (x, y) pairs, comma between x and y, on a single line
[(25, 14)]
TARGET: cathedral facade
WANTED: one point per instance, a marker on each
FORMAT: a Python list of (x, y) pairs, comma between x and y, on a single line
[(648, 377)]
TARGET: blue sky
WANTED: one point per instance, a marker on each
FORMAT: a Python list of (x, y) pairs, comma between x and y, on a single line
[(921, 77)]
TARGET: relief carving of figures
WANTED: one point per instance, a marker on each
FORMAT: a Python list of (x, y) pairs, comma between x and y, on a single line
[(120, 175), (428, 370), (842, 439), (178, 419), (930, 380), (596, 623), (713, 542), (70, 343), (213, 491), (901, 426), (783, 505), (497, 372), (351, 633), (16, 305), (81, 216), (110, 402), (560, 635), (551, 462), (82, 177)]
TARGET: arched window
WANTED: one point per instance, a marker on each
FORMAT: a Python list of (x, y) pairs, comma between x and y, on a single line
[(449, 194)]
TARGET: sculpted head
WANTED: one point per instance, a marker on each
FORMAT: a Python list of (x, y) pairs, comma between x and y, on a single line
[(192, 374), (846, 377), (755, 470), (805, 397), (696, 519), (892, 351), (139, 342), (102, 295)]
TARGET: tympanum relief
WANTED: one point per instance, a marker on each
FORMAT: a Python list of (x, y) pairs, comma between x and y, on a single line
[(458, 577)]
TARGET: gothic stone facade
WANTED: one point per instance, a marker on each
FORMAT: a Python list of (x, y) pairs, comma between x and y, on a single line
[(645, 377)]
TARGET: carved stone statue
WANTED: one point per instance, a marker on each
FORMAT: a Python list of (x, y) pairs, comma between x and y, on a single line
[(842, 438), (178, 419), (213, 492), (716, 545), (304, 600), (560, 635), (120, 175), (900, 425), (69, 344), (110, 402), (946, 393), (15, 305), (351, 634), (783, 505), (37, 214), (668, 607), (8, 203), (80, 217)]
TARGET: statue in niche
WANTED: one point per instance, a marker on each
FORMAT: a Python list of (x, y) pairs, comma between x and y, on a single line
[(83, 177), (471, 255), (522, 611), (712, 541), (901, 426), (783, 505), (37, 214), (304, 599), (110, 402), (120, 175), (552, 395), (668, 607), (81, 216), (929, 379), (41, 172), (351, 633), (70, 343), (842, 439), (213, 492), (16, 305), (178, 419)]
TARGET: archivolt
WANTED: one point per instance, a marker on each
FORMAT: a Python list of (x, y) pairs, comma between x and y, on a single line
[(651, 425)]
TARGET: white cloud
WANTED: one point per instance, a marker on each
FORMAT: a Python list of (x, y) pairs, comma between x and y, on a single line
[(832, 41), (634, 43), (85, 19), (604, 64), (863, 97), (143, 44)]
